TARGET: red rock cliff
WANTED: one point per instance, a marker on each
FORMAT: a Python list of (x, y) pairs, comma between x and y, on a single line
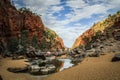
[(80, 40), (108, 28), (20, 24)]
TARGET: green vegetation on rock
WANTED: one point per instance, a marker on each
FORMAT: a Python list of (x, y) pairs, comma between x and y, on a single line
[(35, 41), (24, 9), (12, 44), (24, 39), (49, 39)]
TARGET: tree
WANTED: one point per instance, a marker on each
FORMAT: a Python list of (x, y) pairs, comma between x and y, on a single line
[(49, 38), (86, 39), (118, 12), (24, 9), (87, 42), (98, 34), (2, 48), (35, 41), (24, 38), (109, 15), (43, 44), (12, 2), (94, 24), (12, 44)]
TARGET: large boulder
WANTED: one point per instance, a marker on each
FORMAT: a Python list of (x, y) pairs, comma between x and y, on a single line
[(77, 60), (42, 70), (18, 70), (116, 58), (93, 53), (18, 57)]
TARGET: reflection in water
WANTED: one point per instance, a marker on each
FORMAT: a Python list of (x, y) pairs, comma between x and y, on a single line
[(66, 64), (58, 64), (39, 67)]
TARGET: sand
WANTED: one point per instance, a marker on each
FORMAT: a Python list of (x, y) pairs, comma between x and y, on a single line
[(97, 68), (6, 75)]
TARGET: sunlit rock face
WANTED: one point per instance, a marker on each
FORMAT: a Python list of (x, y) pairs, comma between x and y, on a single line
[(105, 33), (80, 40), (25, 25)]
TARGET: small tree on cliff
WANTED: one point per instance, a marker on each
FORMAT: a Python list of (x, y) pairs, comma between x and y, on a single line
[(43, 44), (86, 39), (118, 12), (48, 40), (24, 9), (50, 37), (96, 36)]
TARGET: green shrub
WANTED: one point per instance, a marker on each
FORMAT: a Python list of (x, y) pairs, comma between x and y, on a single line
[(24, 38), (88, 46), (35, 41), (1, 46), (48, 40), (86, 39), (12, 44), (24, 9)]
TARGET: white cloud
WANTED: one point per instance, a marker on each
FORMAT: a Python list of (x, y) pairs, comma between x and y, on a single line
[(87, 11), (41, 6), (76, 3), (56, 8), (114, 3)]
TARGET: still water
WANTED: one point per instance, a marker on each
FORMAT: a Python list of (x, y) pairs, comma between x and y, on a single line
[(66, 64)]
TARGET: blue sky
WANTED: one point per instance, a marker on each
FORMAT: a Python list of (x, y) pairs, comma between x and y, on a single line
[(70, 18)]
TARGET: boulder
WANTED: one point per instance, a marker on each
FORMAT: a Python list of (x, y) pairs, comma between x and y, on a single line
[(116, 58), (18, 57), (41, 57), (18, 70), (51, 68), (44, 71), (31, 54), (34, 68), (1, 77), (77, 60), (48, 69), (93, 53), (21, 57)]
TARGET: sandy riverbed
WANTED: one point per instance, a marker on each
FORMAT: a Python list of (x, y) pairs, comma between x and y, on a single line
[(99, 68), (6, 75)]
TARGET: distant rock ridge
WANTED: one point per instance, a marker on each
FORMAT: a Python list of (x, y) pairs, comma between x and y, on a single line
[(26, 28)]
